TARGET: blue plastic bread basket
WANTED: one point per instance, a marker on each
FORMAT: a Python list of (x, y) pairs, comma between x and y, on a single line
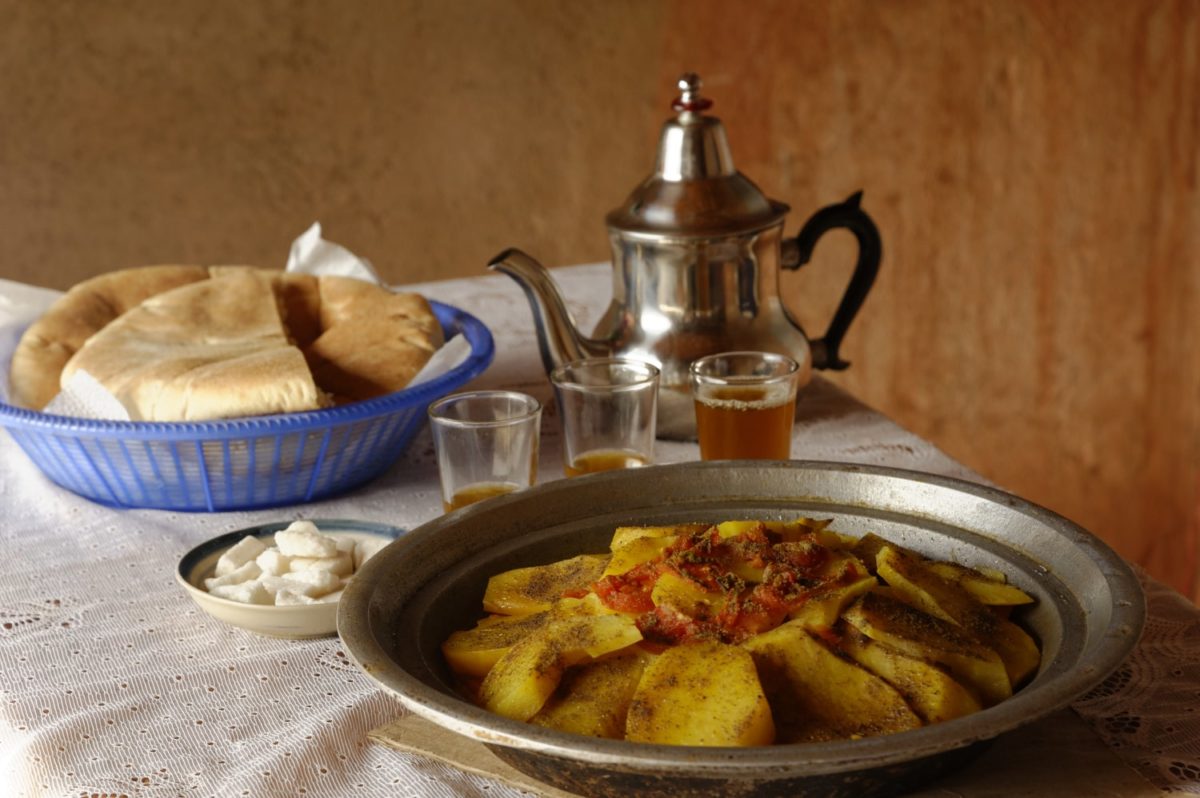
[(266, 461)]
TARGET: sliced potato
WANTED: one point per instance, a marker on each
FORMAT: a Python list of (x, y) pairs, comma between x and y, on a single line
[(703, 693), (594, 698), (624, 534), (534, 589), (929, 689), (986, 586), (685, 596), (844, 565), (918, 634), (473, 652), (630, 555), (733, 529), (911, 577), (822, 609), (866, 547), (815, 694), (875, 638), (521, 681)]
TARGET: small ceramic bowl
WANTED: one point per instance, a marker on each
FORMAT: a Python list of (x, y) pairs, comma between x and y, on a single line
[(298, 621)]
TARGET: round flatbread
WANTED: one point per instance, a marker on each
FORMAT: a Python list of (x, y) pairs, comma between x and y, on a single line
[(372, 341), (211, 349), (79, 314), (358, 341)]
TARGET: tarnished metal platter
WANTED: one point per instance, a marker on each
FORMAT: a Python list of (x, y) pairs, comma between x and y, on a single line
[(409, 597)]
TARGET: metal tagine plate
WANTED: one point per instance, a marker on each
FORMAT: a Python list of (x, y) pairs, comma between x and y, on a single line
[(1088, 614)]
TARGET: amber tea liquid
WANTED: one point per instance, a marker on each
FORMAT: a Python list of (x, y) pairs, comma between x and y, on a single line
[(477, 493), (603, 460), (745, 423)]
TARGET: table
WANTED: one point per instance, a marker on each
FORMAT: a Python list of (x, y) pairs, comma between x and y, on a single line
[(113, 683)]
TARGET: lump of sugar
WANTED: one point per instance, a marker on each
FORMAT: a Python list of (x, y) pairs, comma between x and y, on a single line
[(308, 583), (244, 573), (342, 564), (239, 554), (286, 598), (274, 563), (302, 539), (366, 549), (314, 583), (245, 592)]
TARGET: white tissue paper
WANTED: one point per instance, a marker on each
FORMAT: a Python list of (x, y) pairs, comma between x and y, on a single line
[(84, 397), (311, 254)]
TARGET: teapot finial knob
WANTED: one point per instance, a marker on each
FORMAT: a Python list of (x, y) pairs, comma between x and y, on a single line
[(689, 99)]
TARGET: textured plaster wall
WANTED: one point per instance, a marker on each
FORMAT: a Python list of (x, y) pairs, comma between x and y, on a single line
[(1032, 166)]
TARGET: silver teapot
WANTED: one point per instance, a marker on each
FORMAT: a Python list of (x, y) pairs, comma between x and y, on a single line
[(697, 249)]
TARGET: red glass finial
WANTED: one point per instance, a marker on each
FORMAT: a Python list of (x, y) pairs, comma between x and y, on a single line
[(689, 98)]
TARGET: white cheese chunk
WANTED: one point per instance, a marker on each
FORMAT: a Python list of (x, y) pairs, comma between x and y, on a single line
[(251, 592), (273, 562), (239, 554), (366, 549), (316, 583), (307, 583), (302, 539), (330, 598), (342, 564), (244, 573), (288, 598)]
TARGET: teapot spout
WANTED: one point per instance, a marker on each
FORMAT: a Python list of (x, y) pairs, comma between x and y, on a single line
[(559, 339)]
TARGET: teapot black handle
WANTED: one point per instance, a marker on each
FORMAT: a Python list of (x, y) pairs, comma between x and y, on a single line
[(798, 251)]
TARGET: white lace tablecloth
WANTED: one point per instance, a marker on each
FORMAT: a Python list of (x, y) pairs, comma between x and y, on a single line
[(113, 683)]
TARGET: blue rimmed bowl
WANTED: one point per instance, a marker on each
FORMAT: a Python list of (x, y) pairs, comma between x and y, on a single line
[(237, 464), (295, 621)]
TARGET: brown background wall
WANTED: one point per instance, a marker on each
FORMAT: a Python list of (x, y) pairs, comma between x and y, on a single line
[(1032, 166)]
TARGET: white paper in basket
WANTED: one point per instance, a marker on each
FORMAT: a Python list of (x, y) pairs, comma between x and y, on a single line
[(84, 397)]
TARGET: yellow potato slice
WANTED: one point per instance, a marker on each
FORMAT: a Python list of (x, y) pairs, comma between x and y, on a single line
[(929, 689), (637, 551), (593, 698), (910, 577), (685, 596), (624, 534), (473, 652), (817, 695), (918, 634), (987, 587), (822, 610), (525, 590), (704, 693), (733, 529), (522, 680)]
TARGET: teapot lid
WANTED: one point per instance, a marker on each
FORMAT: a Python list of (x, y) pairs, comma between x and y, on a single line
[(695, 190)]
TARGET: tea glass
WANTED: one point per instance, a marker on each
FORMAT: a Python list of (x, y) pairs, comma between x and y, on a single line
[(486, 444), (745, 405), (608, 407)]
